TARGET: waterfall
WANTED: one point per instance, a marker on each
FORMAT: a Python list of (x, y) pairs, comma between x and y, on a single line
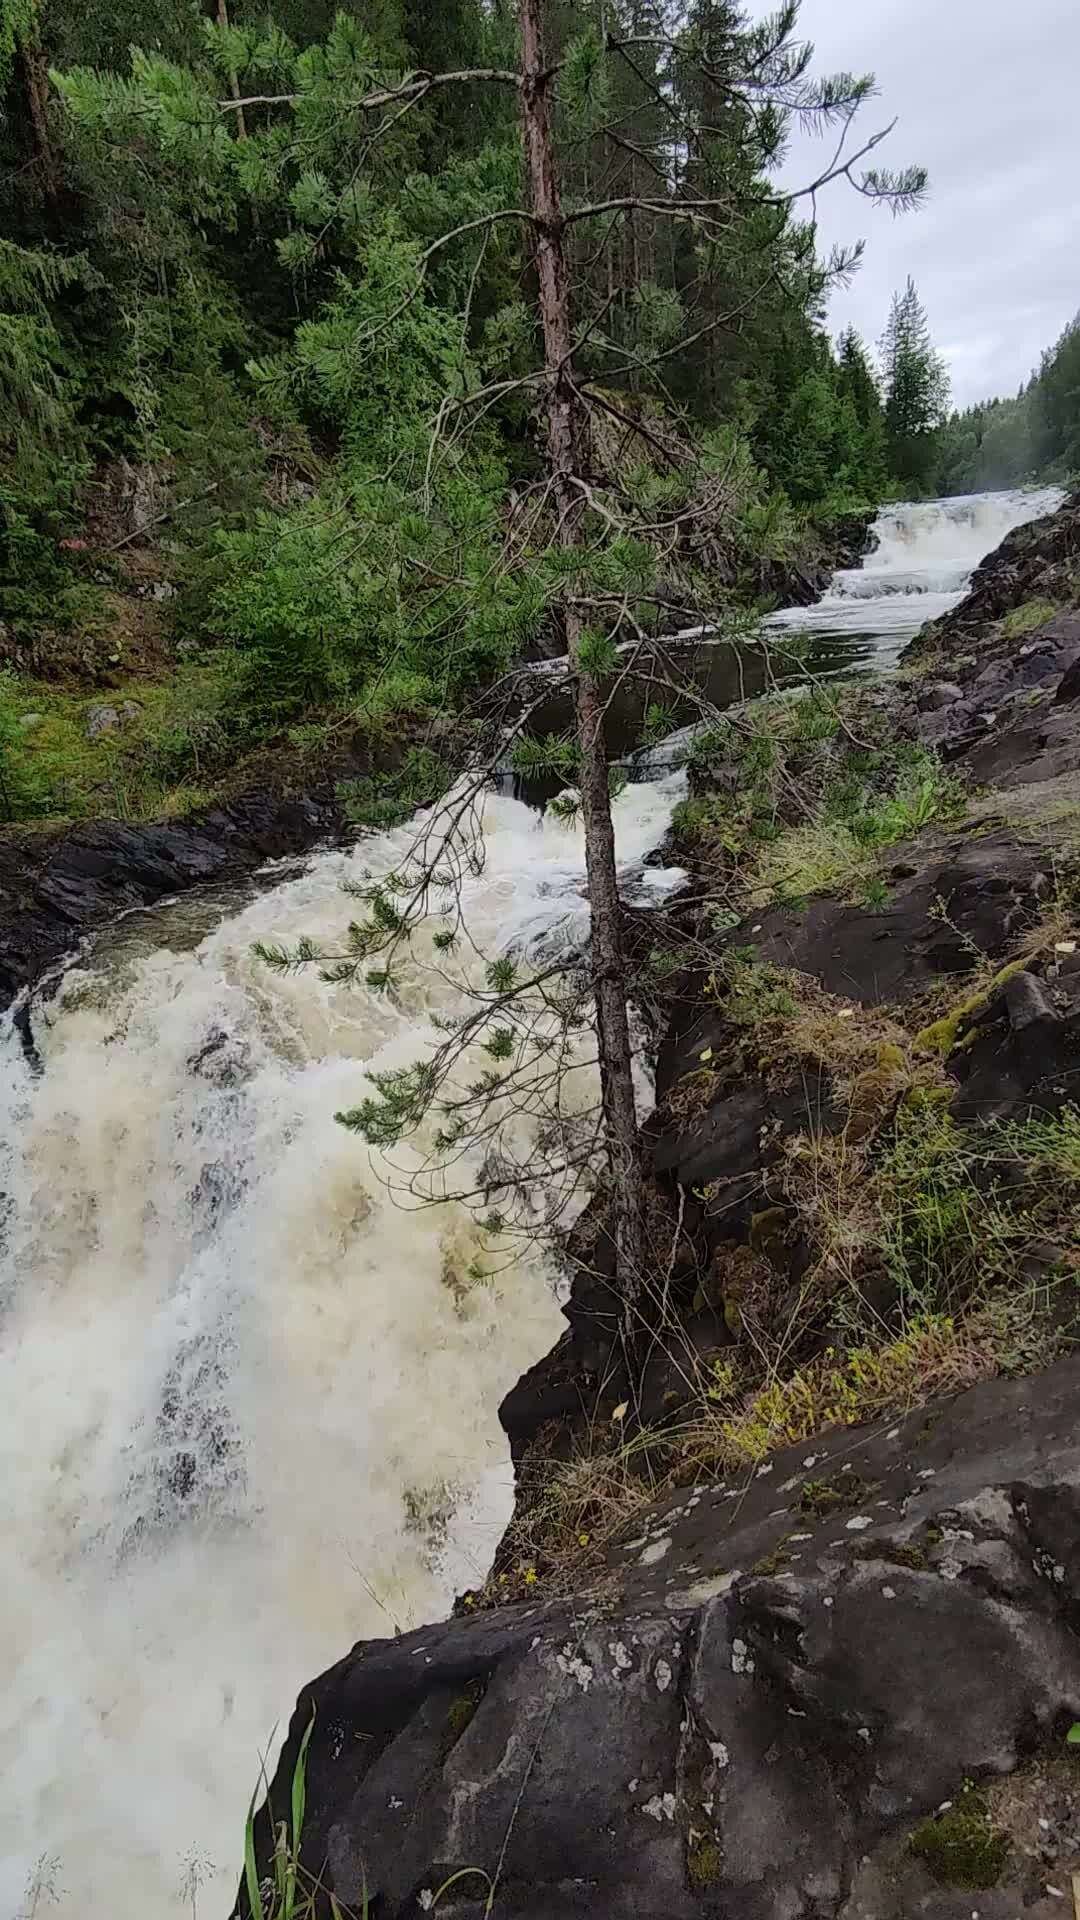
[(921, 562), (247, 1400)]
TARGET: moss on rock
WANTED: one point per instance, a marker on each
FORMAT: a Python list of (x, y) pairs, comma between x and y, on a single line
[(704, 1862), (944, 1036), (961, 1847)]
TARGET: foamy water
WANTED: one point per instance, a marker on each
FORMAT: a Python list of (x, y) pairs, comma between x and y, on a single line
[(924, 555), (247, 1402)]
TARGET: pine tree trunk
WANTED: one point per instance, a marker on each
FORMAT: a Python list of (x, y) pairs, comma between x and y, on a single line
[(234, 84), (37, 94), (565, 430)]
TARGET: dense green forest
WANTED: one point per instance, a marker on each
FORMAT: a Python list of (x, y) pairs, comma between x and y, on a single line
[(1035, 435), (265, 294)]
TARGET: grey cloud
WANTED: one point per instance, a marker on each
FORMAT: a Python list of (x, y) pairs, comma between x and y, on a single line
[(988, 98)]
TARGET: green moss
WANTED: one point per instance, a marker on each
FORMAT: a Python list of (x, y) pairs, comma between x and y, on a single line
[(895, 1553), (890, 1057), (944, 1036), (459, 1715), (771, 1563), (820, 1497), (1027, 617), (770, 1236), (925, 1099), (705, 1862), (962, 1847)]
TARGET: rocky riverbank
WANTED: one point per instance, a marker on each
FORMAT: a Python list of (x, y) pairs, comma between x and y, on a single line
[(849, 1429), (57, 887)]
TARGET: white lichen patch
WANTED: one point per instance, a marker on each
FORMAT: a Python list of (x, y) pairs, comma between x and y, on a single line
[(742, 1660), (711, 1588), (860, 1523), (621, 1657), (656, 1551), (720, 1753), (662, 1675), (575, 1668), (888, 1593), (660, 1807), (950, 1569)]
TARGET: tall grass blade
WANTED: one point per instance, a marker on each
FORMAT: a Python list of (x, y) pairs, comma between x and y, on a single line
[(251, 1870)]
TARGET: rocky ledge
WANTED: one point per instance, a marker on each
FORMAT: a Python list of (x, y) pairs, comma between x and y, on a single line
[(755, 1709), (834, 1678), (57, 887)]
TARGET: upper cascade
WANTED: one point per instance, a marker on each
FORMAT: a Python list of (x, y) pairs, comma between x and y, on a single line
[(934, 546)]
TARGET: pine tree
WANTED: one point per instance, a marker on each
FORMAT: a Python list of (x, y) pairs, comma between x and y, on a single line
[(916, 389)]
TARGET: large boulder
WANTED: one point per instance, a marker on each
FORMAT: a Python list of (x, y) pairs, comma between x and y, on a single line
[(755, 1709)]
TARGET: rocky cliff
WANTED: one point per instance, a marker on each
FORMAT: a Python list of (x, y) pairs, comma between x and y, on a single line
[(786, 1623)]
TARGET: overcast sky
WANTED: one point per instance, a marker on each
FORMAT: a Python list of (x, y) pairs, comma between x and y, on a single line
[(988, 98)]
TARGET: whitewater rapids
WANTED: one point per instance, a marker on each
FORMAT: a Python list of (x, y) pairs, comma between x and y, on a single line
[(923, 555), (247, 1403)]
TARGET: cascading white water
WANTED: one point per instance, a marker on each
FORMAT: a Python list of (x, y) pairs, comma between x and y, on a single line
[(924, 555), (247, 1403)]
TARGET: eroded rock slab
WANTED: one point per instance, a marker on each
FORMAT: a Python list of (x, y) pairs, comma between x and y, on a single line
[(694, 1737)]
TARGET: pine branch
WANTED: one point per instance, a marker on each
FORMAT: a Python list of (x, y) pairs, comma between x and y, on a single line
[(411, 90)]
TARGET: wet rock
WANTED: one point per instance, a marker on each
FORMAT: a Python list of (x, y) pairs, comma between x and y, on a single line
[(1038, 562), (696, 1739), (55, 888)]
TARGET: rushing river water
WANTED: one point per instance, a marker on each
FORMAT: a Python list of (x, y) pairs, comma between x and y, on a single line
[(925, 554), (247, 1403)]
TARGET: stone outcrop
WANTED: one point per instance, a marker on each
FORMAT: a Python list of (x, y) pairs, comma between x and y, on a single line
[(754, 1705), (55, 888), (1038, 562)]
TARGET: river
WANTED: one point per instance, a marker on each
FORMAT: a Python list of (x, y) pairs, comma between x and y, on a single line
[(248, 1403)]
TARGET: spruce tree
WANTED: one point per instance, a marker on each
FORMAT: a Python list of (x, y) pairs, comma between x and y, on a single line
[(858, 387), (916, 390)]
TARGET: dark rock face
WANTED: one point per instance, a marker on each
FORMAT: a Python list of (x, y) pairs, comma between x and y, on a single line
[(694, 1738), (1005, 709), (1016, 718), (54, 889)]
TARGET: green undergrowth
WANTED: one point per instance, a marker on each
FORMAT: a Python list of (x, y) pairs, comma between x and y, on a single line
[(164, 755), (801, 795), (904, 1257), (1027, 618), (179, 743)]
